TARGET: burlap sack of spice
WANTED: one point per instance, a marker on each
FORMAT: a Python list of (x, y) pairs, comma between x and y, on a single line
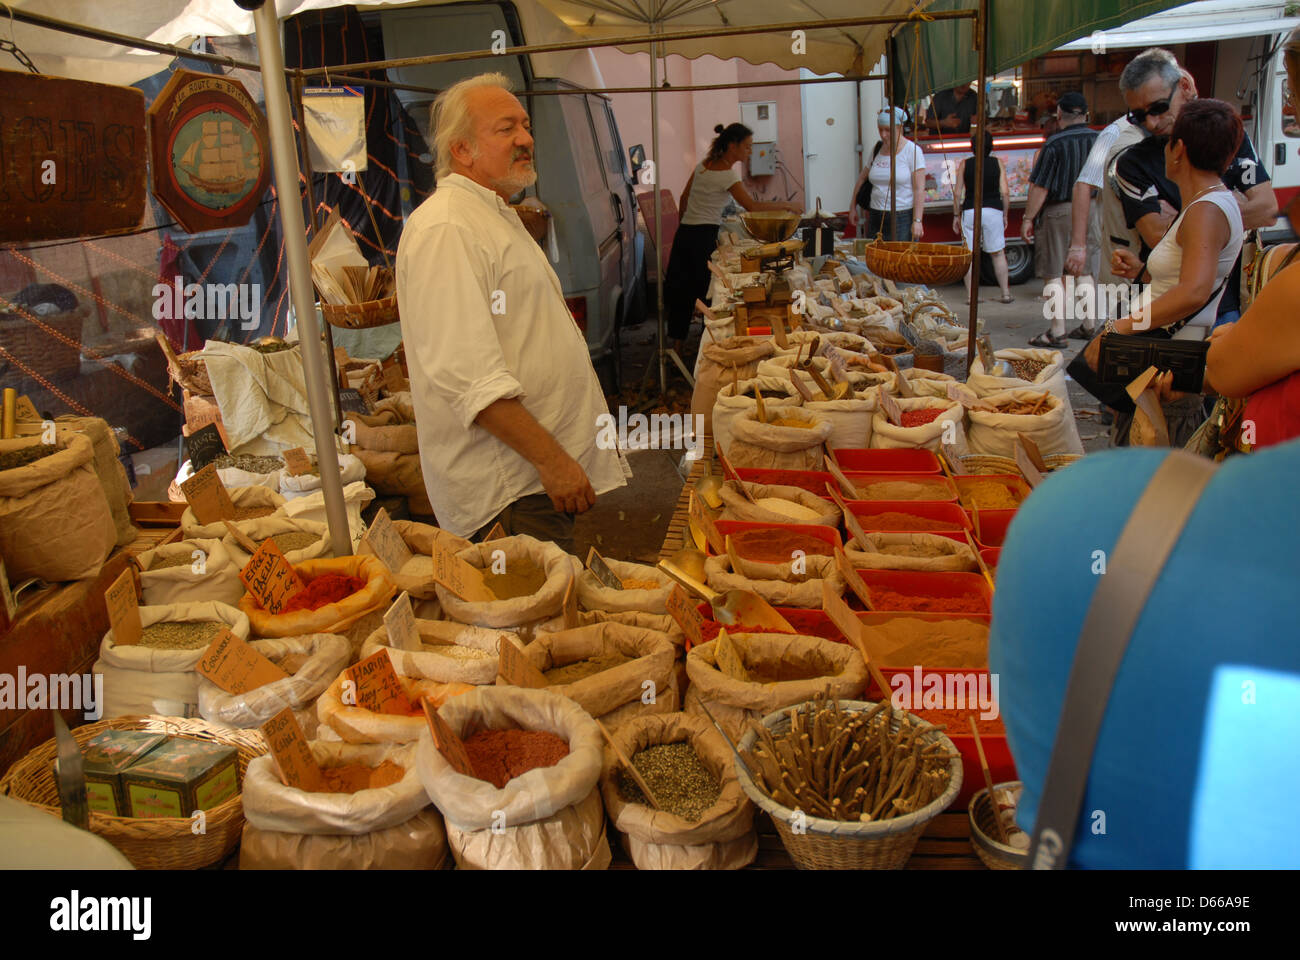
[(715, 369), (522, 614), (594, 595), (928, 436), (241, 497), (1051, 377), (770, 446), (429, 664), (339, 617), (351, 470), (850, 420), (995, 434), (358, 725), (259, 530), (550, 818), (733, 702), (660, 623), (736, 507), (777, 590), (387, 444), (55, 523), (148, 680), (387, 828), (910, 551), (109, 469), (312, 662), (602, 693), (210, 573), (722, 839), (736, 401)]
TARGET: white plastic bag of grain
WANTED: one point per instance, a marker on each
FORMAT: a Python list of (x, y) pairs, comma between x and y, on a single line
[(204, 570), (737, 400), (351, 470), (722, 838), (312, 662), (784, 669), (520, 615), (994, 434), (641, 685), (246, 500), (777, 445), (384, 828), (777, 504), (928, 436), (148, 680), (594, 595), (550, 818), (312, 507), (449, 652)]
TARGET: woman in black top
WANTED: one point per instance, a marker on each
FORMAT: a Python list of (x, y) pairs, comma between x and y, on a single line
[(997, 200)]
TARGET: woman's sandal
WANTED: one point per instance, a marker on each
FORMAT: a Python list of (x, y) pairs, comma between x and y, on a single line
[(1007, 299), (1081, 333), (1047, 341)]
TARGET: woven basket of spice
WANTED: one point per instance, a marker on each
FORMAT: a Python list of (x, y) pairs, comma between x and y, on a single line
[(155, 843), (935, 264), (979, 464), (879, 776)]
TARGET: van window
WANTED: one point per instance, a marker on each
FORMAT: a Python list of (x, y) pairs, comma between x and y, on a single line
[(610, 152), (586, 157)]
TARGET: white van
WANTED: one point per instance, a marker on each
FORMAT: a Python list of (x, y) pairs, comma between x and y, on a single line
[(582, 169)]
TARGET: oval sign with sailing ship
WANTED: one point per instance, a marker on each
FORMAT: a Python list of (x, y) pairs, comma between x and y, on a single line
[(209, 149)]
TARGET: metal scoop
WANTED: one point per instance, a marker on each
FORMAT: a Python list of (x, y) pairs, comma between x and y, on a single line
[(732, 607), (992, 365)]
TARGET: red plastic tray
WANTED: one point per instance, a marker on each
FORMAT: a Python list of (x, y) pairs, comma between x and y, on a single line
[(914, 583), (856, 477), (804, 479), (990, 556), (830, 535), (927, 509), (888, 461), (992, 528), (807, 621)]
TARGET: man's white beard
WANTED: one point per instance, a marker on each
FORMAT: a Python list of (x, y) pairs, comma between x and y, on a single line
[(513, 184)]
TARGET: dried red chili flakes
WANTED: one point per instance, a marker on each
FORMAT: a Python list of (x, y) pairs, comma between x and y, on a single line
[(919, 418), (892, 600), (322, 590)]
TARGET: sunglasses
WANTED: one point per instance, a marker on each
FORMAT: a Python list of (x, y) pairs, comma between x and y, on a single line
[(1136, 117)]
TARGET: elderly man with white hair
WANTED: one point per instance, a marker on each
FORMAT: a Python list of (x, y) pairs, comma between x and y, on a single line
[(506, 399)]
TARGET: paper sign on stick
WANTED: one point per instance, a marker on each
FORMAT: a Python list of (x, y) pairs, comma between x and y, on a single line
[(848, 624), (399, 621), (124, 609), (851, 576), (25, 410), (730, 473), (270, 578), (234, 666), (892, 410), (681, 609), (386, 543), (496, 533), (1032, 476), (515, 668), (296, 459), (294, 760), (378, 687), (706, 524), (569, 607), (207, 496), (833, 468), (459, 577), (601, 571), (449, 745)]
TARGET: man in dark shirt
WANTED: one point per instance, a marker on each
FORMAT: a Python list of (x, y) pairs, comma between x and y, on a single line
[(1051, 186), (1155, 90), (951, 111)]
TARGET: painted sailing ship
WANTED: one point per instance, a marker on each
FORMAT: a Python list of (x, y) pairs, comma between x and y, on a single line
[(216, 161)]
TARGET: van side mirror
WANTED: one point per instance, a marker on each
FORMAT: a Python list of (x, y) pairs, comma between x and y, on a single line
[(636, 156)]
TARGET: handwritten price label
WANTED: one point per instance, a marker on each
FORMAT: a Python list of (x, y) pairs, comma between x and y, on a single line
[(386, 543), (235, 666), (294, 760), (515, 668), (297, 461), (459, 577), (399, 621), (449, 745), (270, 578), (207, 496), (687, 616), (124, 609), (378, 687)]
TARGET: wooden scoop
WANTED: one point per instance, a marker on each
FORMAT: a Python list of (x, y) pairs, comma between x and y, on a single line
[(1031, 450), (732, 607), (988, 780), (758, 401), (707, 487)]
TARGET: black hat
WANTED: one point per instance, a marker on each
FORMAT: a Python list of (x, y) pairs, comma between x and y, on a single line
[(1072, 102)]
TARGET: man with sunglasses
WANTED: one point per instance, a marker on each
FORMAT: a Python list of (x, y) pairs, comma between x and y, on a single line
[(1155, 89)]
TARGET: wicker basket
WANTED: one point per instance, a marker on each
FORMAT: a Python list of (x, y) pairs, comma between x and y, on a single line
[(980, 463), (934, 264), (162, 843), (848, 845), (39, 352), (995, 855), (361, 316)]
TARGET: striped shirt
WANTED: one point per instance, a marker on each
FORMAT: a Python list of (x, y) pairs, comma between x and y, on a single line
[(1094, 169), (1060, 161)]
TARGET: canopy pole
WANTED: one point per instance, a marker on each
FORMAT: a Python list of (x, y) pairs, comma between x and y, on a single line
[(981, 110), (285, 157), (659, 216)]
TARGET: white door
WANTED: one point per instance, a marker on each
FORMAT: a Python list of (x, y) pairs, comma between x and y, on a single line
[(830, 138)]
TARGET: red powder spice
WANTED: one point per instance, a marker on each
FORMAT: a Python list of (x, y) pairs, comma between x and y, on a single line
[(709, 629), (773, 545), (329, 588), (892, 600), (894, 520), (958, 722), (498, 756), (919, 418)]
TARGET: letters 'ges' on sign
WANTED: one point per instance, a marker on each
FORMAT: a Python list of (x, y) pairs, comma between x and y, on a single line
[(72, 158)]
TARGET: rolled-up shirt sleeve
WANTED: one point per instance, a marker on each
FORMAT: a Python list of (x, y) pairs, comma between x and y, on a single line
[(446, 284)]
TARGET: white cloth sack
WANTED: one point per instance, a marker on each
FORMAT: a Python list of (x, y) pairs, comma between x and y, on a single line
[(928, 436), (777, 392), (312, 507), (351, 470), (262, 396), (191, 529), (214, 575), (326, 655), (995, 433), (428, 664)]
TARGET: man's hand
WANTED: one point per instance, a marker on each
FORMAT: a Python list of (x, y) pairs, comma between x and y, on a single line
[(1075, 261), (566, 483), (1124, 263), (1027, 230), (918, 231), (1164, 388)]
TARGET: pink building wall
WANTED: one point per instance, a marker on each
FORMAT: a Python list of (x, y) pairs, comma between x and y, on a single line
[(686, 120)]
